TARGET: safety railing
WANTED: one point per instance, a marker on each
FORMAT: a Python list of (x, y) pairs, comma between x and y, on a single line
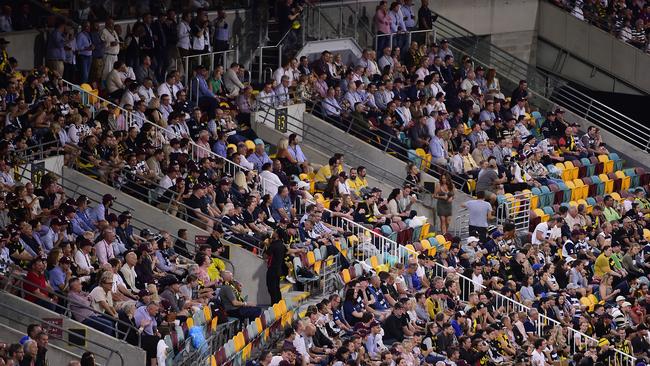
[(278, 46), (209, 59), (388, 143), (190, 356), (351, 21), (14, 316), (329, 143), (403, 38), (16, 285), (548, 90), (515, 209), (461, 223), (467, 286), (197, 152), (143, 189), (403, 254)]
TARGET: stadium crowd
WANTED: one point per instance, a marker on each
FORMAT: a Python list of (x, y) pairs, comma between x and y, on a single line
[(172, 146), (628, 21)]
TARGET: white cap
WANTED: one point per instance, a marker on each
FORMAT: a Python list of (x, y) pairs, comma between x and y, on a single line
[(471, 239), (626, 304), (302, 184), (620, 298)]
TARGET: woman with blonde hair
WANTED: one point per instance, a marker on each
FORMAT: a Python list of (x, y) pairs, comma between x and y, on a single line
[(153, 113), (494, 89), (289, 163)]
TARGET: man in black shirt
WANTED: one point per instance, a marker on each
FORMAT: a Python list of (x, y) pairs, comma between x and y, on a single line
[(394, 325), (199, 208), (223, 193), (425, 16), (276, 253)]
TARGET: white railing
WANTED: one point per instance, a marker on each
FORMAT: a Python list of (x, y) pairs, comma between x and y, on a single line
[(209, 60), (516, 209), (407, 36), (468, 286), (382, 243), (195, 151)]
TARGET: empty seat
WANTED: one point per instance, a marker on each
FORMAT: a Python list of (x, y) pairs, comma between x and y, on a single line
[(618, 162), (589, 166), (609, 184), (608, 165), (570, 171)]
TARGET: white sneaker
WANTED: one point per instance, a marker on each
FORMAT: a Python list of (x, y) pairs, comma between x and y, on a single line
[(291, 279)]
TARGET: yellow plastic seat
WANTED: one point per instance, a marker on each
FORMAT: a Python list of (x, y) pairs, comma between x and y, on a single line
[(582, 190), (426, 245), (353, 240), (425, 231), (345, 275), (442, 241), (189, 322), (609, 184), (616, 196), (213, 324), (239, 341), (540, 213), (207, 312), (572, 187), (608, 165), (433, 251), (625, 180), (258, 324), (562, 172), (374, 261), (572, 171), (213, 360), (471, 185)]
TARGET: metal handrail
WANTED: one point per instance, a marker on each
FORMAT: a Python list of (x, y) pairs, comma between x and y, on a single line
[(506, 301), (408, 34), (36, 319), (391, 247), (389, 140), (13, 279), (156, 201), (185, 60), (599, 23), (549, 88)]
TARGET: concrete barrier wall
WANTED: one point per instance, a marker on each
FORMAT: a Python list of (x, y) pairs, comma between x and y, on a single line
[(247, 265), (55, 354), (593, 45), (130, 355)]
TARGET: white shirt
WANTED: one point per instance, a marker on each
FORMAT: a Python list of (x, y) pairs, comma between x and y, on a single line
[(542, 227), (299, 343), (270, 182), (108, 36), (146, 93), (183, 32), (537, 358), (82, 260), (280, 72), (161, 352), (170, 90), (343, 189)]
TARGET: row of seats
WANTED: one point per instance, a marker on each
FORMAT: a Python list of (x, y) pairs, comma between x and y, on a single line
[(264, 331), (585, 167)]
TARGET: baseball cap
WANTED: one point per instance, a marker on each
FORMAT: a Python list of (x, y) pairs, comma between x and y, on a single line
[(537, 266), (472, 239), (620, 298)]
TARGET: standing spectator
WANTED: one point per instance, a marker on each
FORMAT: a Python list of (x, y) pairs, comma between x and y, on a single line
[(425, 16), (55, 49), (444, 194), (6, 22), (184, 35), (382, 25), (85, 49), (480, 212), (145, 319), (111, 41), (222, 32), (97, 66)]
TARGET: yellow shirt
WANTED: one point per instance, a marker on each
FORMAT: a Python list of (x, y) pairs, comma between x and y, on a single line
[(361, 182), (589, 302), (323, 174), (214, 271), (433, 308), (353, 185), (602, 265)]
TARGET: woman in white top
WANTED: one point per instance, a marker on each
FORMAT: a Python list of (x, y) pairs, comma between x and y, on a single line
[(393, 206)]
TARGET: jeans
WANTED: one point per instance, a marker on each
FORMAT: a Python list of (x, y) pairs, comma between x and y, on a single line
[(84, 62)]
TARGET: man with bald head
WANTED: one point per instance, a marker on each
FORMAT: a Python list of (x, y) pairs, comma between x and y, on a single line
[(233, 301)]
